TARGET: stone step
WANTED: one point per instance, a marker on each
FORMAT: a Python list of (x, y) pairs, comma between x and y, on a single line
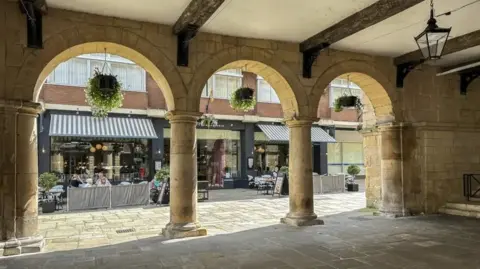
[(471, 210)]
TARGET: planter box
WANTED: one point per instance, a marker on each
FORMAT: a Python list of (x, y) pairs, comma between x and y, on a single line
[(352, 187), (48, 207)]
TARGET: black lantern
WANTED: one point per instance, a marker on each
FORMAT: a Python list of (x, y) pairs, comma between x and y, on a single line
[(432, 40)]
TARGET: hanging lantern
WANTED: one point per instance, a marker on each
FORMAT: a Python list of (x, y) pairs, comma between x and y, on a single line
[(92, 149), (433, 39), (98, 146), (104, 148)]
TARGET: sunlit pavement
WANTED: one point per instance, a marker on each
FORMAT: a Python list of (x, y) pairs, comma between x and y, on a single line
[(245, 210)]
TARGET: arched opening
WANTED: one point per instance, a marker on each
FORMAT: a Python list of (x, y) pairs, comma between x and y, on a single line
[(293, 98), (112, 49), (357, 140)]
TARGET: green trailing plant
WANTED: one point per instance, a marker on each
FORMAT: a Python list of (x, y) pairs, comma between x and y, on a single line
[(208, 121), (103, 93), (47, 181), (243, 99), (163, 174), (348, 101), (284, 169)]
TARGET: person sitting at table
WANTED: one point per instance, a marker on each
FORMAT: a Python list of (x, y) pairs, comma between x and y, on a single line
[(76, 181), (98, 168), (102, 180)]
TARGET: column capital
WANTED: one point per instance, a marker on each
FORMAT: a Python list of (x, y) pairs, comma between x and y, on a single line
[(19, 106), (300, 122), (183, 116)]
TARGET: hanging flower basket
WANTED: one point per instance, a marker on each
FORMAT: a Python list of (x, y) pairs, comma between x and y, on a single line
[(243, 99), (208, 121), (103, 93), (347, 101)]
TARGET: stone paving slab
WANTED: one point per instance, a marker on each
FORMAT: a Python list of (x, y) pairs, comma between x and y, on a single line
[(347, 240), (68, 231)]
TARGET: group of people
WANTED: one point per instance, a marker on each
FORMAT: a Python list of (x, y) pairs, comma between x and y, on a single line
[(78, 182)]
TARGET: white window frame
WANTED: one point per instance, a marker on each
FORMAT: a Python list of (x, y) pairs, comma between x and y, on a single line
[(205, 93), (334, 84), (89, 57), (259, 78)]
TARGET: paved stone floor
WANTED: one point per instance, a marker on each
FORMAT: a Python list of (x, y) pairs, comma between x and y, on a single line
[(228, 211), (347, 240)]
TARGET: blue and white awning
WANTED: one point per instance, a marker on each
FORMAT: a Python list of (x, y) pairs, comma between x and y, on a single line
[(111, 127), (279, 133)]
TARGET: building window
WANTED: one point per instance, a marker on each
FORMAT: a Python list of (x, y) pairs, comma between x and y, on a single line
[(77, 71), (339, 87), (265, 92), (343, 154), (223, 84)]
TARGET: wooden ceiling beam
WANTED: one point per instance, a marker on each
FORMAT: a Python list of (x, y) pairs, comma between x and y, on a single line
[(196, 14), (373, 14)]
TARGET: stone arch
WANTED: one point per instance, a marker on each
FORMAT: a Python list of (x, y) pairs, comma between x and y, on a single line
[(73, 42), (293, 98), (378, 89)]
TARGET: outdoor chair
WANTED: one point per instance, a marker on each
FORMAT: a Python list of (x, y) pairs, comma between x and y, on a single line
[(202, 190)]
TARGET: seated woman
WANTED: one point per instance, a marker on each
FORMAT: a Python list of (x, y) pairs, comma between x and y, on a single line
[(102, 180), (76, 181)]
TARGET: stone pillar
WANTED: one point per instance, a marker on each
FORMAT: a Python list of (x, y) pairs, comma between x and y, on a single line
[(110, 165), (117, 165), (372, 161), (392, 197), (91, 164), (19, 178), (183, 177), (300, 176)]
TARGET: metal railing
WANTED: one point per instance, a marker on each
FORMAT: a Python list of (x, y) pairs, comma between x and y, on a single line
[(471, 186)]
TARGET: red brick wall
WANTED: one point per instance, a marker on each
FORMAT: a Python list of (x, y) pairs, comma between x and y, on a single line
[(155, 95), (68, 95), (325, 112)]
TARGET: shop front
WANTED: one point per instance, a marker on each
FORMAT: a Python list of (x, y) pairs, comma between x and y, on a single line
[(118, 147)]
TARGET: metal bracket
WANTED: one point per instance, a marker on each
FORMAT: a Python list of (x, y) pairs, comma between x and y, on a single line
[(466, 77), (404, 69), (183, 42), (309, 57), (33, 11)]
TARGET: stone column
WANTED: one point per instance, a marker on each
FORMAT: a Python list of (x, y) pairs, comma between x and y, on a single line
[(372, 161), (300, 176), (183, 177), (117, 165), (110, 165), (392, 197), (19, 178)]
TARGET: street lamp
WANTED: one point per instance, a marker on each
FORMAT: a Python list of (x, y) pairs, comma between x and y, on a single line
[(432, 40)]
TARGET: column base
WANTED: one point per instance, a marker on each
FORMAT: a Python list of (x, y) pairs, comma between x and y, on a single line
[(298, 221), (24, 245), (176, 231), (394, 213)]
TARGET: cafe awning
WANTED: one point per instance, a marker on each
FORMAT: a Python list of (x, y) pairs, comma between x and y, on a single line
[(111, 127), (279, 133)]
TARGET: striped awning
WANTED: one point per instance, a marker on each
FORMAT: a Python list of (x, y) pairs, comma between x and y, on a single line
[(280, 133), (113, 127)]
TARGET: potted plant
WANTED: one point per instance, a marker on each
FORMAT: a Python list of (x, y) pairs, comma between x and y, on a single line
[(103, 93), (163, 174), (208, 121), (352, 170), (47, 181), (243, 99)]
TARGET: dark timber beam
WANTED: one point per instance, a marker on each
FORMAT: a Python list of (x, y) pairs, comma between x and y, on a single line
[(375, 13), (197, 13), (453, 45), (193, 17)]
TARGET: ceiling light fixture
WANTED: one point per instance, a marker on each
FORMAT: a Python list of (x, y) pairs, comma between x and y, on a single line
[(433, 39)]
